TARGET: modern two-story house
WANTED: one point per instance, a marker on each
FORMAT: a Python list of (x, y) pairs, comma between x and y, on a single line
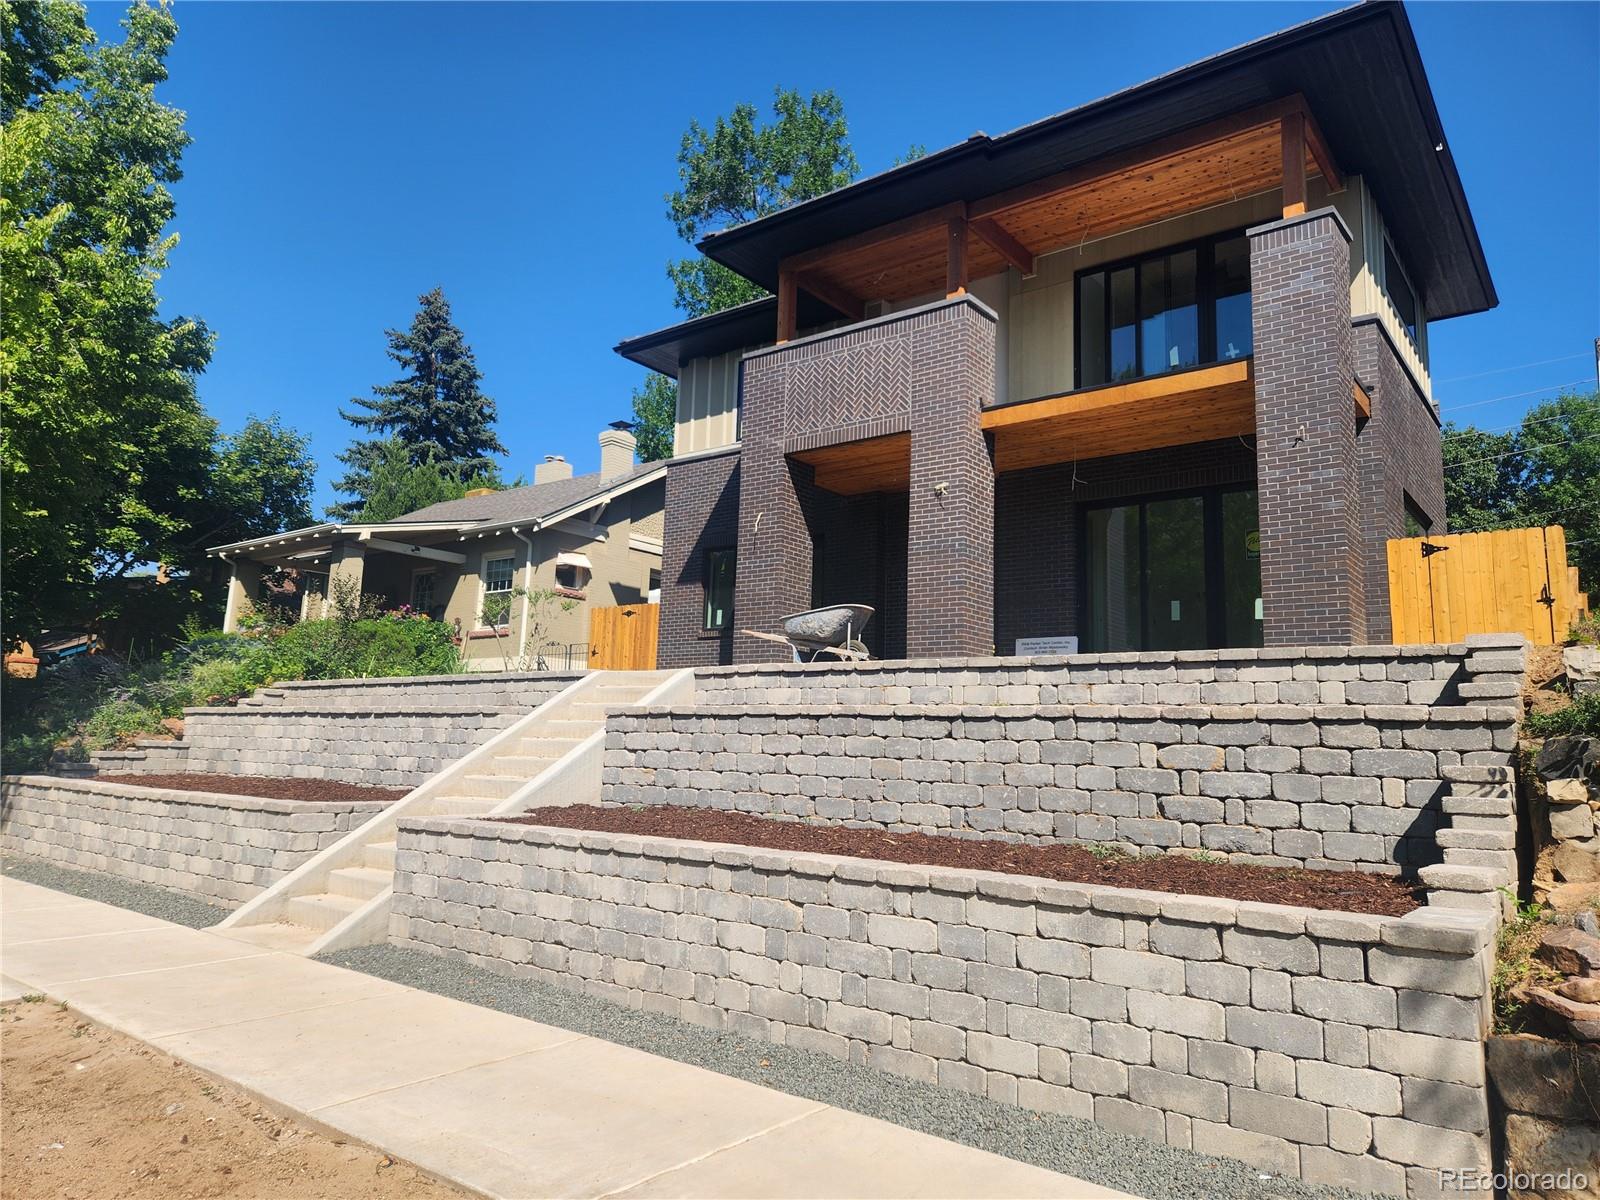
[(556, 548), (1152, 373)]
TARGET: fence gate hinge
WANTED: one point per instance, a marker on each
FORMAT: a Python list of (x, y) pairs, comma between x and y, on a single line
[(1545, 598), (1429, 549)]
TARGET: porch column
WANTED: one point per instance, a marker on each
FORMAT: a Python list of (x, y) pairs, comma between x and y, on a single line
[(950, 551), (773, 566), (346, 571), (1308, 470), (244, 584)]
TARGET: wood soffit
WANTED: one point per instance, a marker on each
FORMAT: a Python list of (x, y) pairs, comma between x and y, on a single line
[(1224, 160)]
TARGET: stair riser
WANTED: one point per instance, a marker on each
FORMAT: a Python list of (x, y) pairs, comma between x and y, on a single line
[(315, 913)]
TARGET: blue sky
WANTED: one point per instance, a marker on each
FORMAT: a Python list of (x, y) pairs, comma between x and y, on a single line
[(348, 157)]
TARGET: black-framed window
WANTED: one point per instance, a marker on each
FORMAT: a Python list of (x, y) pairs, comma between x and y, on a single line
[(1397, 285), (719, 589), (1171, 571), (1184, 306)]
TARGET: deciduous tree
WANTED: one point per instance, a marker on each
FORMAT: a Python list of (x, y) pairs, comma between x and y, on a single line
[(739, 170), (655, 413)]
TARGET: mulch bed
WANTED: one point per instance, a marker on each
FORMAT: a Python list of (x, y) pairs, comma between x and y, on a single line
[(1346, 891), (269, 787)]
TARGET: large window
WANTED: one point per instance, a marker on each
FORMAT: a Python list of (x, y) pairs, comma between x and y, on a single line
[(1398, 287), (719, 589), (1173, 572), (498, 574), (1164, 312)]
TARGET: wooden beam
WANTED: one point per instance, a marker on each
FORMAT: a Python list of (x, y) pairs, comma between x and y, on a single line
[(1363, 401), (1237, 373), (834, 297), (1292, 137), (786, 305), (444, 556), (1013, 251), (955, 276), (1332, 176)]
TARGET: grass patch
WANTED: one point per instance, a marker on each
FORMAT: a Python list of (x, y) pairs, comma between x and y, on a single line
[(1515, 967), (1580, 718)]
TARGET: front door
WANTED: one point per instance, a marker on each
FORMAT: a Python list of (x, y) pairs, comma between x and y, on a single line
[(1172, 573)]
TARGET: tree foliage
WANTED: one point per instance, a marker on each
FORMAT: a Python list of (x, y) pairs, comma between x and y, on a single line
[(436, 409), (739, 170), (105, 447), (1545, 472), (396, 485), (655, 414)]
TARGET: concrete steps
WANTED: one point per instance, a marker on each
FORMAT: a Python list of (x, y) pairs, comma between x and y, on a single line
[(340, 897)]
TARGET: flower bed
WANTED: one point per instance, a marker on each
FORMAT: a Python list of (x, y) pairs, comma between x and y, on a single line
[(1349, 891)]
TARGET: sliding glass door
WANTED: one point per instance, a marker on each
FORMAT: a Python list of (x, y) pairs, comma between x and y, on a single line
[(1172, 573)]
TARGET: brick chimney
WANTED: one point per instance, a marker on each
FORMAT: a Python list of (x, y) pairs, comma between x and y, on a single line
[(553, 467), (617, 445)]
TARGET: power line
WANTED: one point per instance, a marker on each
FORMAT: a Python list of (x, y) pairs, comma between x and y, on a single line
[(1530, 450), (1543, 362), (1460, 433), (1512, 396)]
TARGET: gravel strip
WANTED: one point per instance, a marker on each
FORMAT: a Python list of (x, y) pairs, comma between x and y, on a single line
[(1057, 1143), (144, 898)]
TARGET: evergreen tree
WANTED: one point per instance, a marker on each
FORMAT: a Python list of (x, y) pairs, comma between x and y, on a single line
[(436, 409)]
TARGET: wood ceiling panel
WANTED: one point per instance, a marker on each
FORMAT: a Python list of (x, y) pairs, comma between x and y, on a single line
[(881, 464), (1146, 414), (1244, 163)]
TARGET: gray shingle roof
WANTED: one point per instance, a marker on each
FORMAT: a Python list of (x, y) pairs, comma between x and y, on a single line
[(527, 503)]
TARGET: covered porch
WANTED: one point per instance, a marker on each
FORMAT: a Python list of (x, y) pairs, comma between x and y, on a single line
[(414, 565)]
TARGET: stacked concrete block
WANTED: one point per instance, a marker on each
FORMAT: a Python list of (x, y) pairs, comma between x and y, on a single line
[(223, 849), (1422, 674), (1334, 1047), (147, 756), (1324, 786), (375, 745), (489, 689)]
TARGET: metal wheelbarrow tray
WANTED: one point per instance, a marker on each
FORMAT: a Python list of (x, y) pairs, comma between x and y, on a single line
[(831, 631)]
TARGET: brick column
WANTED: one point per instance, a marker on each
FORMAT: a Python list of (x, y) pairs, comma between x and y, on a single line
[(774, 563), (1308, 470), (950, 545), (702, 515)]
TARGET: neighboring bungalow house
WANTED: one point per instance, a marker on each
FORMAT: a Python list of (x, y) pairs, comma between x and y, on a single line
[(594, 540), (1150, 374)]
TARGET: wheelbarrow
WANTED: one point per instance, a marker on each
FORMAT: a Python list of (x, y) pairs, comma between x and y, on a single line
[(830, 632)]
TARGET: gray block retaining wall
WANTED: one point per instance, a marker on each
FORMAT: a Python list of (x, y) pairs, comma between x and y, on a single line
[(1333, 1047), (224, 849), (1480, 670), (1319, 786), (378, 745), (527, 689)]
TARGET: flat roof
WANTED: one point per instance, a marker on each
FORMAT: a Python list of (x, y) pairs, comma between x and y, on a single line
[(1359, 69)]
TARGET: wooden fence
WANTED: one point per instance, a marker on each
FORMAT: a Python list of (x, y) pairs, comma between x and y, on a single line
[(1509, 581), (623, 638)]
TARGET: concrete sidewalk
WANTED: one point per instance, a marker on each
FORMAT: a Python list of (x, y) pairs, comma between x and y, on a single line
[(497, 1104)]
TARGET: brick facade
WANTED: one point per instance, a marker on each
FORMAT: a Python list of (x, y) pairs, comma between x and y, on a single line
[(1313, 572), (1037, 561), (1401, 454), (702, 514), (928, 371)]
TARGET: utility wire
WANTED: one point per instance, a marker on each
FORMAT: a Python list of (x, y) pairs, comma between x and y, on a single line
[(1460, 433), (1513, 396), (1543, 362), (1530, 450)]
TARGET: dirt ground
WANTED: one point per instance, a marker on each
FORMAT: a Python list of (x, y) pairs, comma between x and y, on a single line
[(89, 1114), (270, 787), (1347, 891)]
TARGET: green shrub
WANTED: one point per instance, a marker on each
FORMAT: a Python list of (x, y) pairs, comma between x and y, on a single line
[(98, 703), (1581, 718)]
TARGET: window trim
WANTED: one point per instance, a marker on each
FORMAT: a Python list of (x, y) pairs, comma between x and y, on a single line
[(1211, 515), (483, 587), (1205, 302), (1391, 255), (711, 554)]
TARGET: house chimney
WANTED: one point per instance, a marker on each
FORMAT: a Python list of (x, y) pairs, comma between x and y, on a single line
[(553, 467), (617, 445)]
